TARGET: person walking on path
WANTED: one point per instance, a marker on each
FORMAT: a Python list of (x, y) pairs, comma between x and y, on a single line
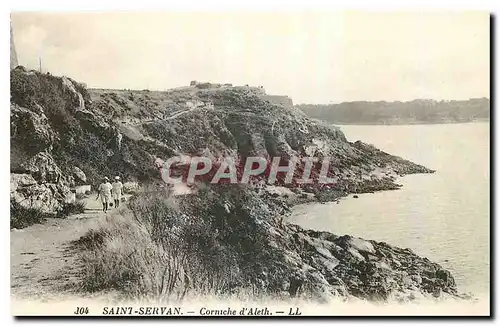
[(117, 191), (104, 192)]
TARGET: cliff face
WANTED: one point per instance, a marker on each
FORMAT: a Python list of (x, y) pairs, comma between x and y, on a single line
[(411, 112)]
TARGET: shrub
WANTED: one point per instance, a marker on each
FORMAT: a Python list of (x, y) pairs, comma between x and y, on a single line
[(192, 239), (71, 208)]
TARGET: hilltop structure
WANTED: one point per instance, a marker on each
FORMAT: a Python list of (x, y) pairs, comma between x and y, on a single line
[(259, 91)]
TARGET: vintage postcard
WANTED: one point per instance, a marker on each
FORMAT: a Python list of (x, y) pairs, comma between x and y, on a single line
[(250, 164)]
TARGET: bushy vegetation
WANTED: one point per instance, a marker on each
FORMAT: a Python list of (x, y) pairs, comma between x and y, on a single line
[(76, 207), (21, 217)]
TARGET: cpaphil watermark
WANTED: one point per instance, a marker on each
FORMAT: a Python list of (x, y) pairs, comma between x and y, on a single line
[(253, 169)]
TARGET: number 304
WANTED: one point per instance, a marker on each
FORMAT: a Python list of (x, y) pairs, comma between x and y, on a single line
[(81, 310)]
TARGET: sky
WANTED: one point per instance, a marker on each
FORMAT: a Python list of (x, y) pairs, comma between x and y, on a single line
[(313, 57)]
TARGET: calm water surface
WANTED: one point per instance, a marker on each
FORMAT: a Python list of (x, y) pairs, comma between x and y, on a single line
[(443, 216)]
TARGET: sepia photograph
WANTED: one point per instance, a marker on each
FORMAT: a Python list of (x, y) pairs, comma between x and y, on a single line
[(246, 164)]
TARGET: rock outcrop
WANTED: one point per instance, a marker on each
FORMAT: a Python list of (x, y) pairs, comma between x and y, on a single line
[(29, 193), (13, 53)]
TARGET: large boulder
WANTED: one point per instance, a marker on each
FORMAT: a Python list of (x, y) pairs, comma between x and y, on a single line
[(21, 180)]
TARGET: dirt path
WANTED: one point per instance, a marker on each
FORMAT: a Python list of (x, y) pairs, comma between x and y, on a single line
[(42, 262)]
